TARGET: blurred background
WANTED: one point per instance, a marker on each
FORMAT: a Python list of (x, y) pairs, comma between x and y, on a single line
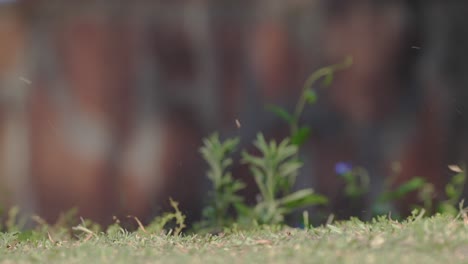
[(104, 104)]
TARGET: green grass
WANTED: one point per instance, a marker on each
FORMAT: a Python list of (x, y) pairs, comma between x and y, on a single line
[(438, 239)]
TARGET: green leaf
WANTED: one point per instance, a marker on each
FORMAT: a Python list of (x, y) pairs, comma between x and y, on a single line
[(407, 187), (209, 212), (301, 136), (450, 191), (237, 186), (302, 198), (458, 179), (262, 145), (289, 168), (281, 113), (252, 160), (286, 153), (230, 145), (411, 185), (243, 209), (226, 163), (447, 208), (310, 96)]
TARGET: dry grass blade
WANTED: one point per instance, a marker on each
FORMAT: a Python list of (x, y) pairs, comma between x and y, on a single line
[(85, 230), (140, 225), (465, 218), (455, 168), (50, 237), (263, 242), (39, 220), (88, 237), (330, 219), (238, 124)]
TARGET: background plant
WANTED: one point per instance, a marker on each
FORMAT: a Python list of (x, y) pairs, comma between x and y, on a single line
[(273, 171), (161, 223), (300, 133), (453, 191), (389, 196), (426, 193), (357, 183), (223, 196), (356, 179)]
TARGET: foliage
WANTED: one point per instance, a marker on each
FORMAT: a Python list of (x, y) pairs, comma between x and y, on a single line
[(14, 221), (272, 173), (224, 194), (453, 192), (356, 179), (159, 223), (390, 196), (357, 182), (300, 134)]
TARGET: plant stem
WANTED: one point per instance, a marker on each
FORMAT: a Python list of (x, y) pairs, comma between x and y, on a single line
[(314, 77)]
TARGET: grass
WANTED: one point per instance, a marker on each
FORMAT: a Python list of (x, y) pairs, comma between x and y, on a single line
[(437, 239)]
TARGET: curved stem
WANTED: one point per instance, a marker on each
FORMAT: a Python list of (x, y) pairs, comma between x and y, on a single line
[(314, 77)]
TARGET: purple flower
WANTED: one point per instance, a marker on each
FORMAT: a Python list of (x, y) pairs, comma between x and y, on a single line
[(342, 168)]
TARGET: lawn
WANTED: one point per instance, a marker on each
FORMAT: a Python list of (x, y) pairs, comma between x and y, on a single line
[(438, 239)]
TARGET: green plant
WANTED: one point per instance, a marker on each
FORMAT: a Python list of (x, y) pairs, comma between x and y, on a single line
[(14, 222), (299, 134), (453, 191), (356, 179), (272, 173), (426, 193), (389, 196), (357, 182), (159, 223), (223, 197)]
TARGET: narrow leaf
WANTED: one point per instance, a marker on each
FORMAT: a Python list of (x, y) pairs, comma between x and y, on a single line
[(302, 198), (281, 113), (289, 168), (407, 187)]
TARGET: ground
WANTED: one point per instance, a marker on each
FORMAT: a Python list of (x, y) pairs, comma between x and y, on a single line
[(439, 239)]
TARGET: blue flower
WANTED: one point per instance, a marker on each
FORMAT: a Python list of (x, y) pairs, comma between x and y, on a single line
[(342, 168)]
